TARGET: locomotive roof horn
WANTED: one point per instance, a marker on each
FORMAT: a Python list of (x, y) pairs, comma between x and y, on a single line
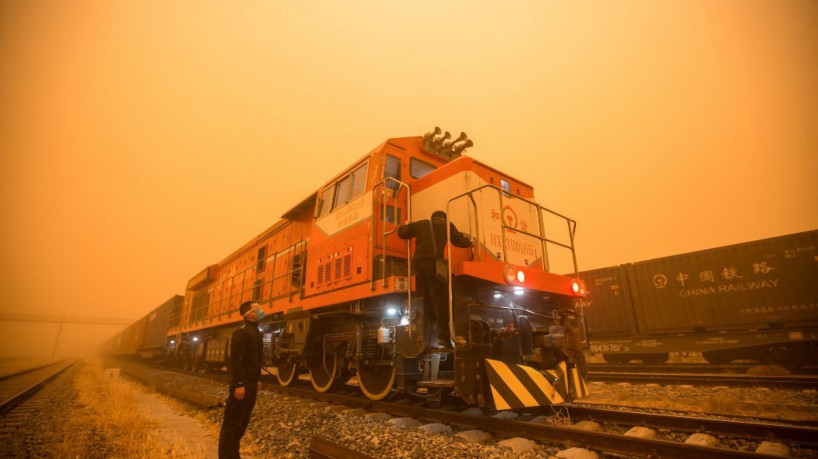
[(431, 135), (435, 143), (459, 149), (447, 135), (460, 138)]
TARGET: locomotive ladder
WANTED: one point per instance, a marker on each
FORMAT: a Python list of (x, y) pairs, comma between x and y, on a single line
[(385, 197)]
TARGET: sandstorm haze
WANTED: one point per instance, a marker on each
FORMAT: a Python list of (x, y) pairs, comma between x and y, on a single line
[(143, 141)]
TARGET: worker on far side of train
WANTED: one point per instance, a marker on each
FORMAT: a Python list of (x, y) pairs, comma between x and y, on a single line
[(246, 353), (435, 292)]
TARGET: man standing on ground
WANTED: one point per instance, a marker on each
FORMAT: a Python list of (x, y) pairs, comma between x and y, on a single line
[(246, 351)]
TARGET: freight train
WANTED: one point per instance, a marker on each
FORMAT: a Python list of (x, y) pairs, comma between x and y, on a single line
[(147, 337), (336, 284), (752, 301)]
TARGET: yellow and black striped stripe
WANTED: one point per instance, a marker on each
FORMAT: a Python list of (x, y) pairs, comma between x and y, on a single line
[(561, 380), (571, 384), (520, 386), (580, 389)]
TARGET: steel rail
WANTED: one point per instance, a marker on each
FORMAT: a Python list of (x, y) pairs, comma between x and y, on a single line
[(30, 387), (700, 368), (791, 382), (754, 430), (27, 370)]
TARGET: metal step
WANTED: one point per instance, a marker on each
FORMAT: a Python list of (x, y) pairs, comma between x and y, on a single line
[(437, 383)]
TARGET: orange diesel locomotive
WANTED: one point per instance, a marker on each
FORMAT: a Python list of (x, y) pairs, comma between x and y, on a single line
[(334, 280)]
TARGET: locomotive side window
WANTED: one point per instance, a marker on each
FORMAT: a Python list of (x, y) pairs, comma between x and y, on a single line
[(390, 215), (326, 201), (351, 186), (392, 170), (359, 181), (418, 168), (343, 191)]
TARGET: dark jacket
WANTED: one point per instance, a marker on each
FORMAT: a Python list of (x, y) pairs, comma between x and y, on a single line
[(423, 244), (246, 353)]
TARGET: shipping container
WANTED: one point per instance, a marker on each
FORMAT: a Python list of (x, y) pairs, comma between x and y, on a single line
[(156, 330), (759, 296), (608, 308), (132, 337), (771, 283)]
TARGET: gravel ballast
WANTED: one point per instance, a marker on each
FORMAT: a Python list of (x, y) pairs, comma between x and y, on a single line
[(283, 426)]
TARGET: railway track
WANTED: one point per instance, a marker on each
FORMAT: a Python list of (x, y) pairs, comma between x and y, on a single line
[(533, 425), (17, 386), (607, 442), (758, 429), (741, 380), (701, 368)]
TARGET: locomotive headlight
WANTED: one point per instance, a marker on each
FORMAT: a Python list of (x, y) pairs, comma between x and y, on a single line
[(392, 311), (173, 341), (575, 287), (195, 338), (512, 275), (509, 274)]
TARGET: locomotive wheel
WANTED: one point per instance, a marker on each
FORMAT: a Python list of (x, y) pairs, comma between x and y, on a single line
[(376, 381), (325, 373), (287, 373)]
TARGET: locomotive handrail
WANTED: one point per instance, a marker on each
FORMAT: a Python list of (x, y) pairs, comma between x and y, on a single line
[(543, 239), (290, 251), (401, 185), (571, 223), (449, 253)]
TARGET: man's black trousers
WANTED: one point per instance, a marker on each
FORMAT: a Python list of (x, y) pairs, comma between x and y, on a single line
[(236, 418), (435, 295)]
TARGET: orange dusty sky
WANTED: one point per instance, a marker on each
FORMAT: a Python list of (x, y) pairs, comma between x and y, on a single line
[(142, 141)]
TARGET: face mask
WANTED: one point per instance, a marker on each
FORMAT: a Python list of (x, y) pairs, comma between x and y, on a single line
[(260, 314)]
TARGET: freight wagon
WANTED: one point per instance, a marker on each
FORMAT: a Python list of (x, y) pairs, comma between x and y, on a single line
[(757, 300), (147, 337)]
